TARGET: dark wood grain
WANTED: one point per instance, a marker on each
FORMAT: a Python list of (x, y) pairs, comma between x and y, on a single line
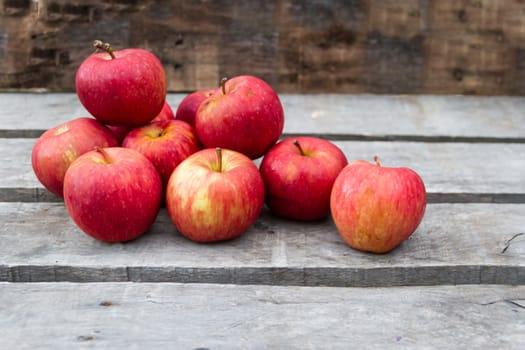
[(409, 47)]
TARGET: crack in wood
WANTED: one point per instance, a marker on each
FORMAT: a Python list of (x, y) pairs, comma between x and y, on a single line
[(509, 241), (513, 302)]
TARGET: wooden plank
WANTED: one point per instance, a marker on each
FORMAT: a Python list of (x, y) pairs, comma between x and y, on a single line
[(39, 112), (434, 118), (397, 116), (159, 316), (446, 168), (455, 244), (480, 48)]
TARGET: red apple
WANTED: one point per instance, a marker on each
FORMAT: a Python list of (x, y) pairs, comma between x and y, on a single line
[(165, 143), (214, 195), (376, 208), (58, 147), (125, 87), (298, 175), (244, 115), (120, 131), (113, 194), (166, 113), (187, 109)]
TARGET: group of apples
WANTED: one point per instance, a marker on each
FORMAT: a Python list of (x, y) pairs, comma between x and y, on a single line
[(116, 170)]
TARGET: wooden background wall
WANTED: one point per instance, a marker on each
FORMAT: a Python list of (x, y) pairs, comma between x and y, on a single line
[(298, 46)]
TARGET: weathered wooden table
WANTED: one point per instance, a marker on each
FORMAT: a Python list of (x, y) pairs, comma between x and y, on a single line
[(457, 283)]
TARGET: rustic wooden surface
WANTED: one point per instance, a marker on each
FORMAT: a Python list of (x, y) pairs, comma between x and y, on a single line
[(459, 145), (335, 116), (449, 170), (411, 46), (455, 244), (182, 316), (457, 283)]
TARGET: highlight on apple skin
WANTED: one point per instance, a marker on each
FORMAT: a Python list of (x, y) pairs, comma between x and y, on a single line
[(376, 208)]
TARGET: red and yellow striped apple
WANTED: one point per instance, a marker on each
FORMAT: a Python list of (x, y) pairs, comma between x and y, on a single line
[(214, 195), (58, 147), (376, 208)]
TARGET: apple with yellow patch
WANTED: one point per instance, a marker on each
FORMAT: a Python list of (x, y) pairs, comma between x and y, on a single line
[(58, 147), (376, 208), (214, 195)]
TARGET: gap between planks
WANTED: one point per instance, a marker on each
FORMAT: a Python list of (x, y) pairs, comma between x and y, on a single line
[(41, 195), (276, 276), (35, 133)]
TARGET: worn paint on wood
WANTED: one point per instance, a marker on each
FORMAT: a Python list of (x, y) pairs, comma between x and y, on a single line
[(415, 46)]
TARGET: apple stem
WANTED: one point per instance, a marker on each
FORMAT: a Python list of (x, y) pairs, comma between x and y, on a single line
[(376, 159), (100, 45), (223, 85), (104, 154), (298, 145), (218, 151)]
